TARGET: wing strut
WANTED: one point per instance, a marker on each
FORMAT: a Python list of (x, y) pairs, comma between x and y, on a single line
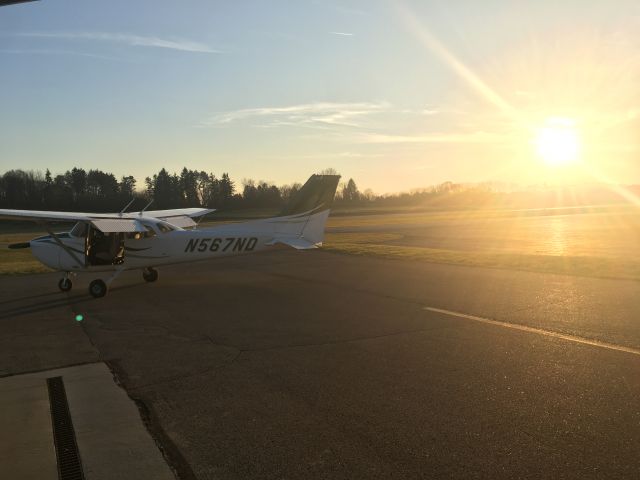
[(147, 206), (125, 208), (61, 244)]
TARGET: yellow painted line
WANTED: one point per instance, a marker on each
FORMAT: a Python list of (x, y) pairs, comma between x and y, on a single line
[(538, 331)]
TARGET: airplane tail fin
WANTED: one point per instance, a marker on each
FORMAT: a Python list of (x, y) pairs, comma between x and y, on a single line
[(315, 195), (301, 223)]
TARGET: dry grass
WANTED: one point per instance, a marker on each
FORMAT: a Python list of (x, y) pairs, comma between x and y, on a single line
[(377, 244), (374, 244), (412, 217), (15, 262)]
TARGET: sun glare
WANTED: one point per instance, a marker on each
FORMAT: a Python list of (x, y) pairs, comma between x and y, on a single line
[(558, 142)]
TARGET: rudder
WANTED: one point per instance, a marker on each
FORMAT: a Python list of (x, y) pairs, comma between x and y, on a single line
[(315, 195)]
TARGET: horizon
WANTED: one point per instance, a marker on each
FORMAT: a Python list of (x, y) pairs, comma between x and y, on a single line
[(626, 191), (398, 96)]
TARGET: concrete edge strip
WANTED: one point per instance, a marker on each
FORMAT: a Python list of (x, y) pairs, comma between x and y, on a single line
[(538, 331)]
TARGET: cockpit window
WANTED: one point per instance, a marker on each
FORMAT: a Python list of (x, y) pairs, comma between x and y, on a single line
[(79, 230)]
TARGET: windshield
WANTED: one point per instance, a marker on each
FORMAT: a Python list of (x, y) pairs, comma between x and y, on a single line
[(79, 230), (165, 227)]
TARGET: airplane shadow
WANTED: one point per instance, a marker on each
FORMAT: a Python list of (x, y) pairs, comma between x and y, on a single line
[(68, 300), (13, 300)]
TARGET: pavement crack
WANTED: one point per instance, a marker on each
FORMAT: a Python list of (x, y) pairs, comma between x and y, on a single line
[(38, 370), (177, 378), (215, 343), (170, 452), (339, 342)]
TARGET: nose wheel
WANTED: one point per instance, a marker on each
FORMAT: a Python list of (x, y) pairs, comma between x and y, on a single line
[(65, 284)]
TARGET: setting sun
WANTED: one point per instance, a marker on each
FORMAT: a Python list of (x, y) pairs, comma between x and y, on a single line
[(558, 142)]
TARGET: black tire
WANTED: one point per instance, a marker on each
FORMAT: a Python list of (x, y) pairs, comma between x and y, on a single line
[(150, 274), (98, 288), (65, 284)]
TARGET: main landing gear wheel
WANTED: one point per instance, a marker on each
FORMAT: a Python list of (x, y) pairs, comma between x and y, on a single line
[(65, 284), (98, 288), (150, 274)]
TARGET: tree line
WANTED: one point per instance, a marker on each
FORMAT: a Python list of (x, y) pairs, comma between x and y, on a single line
[(96, 191)]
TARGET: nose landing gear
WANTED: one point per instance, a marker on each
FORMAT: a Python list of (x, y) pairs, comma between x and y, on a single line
[(65, 284)]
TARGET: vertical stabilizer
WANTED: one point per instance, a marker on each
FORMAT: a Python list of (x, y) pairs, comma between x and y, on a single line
[(301, 224), (316, 195)]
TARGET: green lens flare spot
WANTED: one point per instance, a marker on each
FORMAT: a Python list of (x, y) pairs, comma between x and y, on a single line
[(79, 318)]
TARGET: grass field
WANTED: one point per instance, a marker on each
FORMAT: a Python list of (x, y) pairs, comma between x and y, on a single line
[(18, 261), (374, 245), (587, 241)]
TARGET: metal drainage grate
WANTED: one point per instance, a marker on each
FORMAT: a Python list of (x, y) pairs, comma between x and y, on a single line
[(64, 437)]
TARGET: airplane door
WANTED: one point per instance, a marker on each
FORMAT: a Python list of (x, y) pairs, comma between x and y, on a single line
[(104, 248)]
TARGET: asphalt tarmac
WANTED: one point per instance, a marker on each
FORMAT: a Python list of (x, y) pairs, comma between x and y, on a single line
[(319, 365)]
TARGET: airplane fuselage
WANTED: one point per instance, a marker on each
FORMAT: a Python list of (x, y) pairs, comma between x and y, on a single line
[(176, 246)]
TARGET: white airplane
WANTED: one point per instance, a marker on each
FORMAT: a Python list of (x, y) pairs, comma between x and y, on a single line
[(103, 242)]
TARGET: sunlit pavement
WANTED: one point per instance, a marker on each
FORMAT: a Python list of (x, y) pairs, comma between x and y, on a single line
[(318, 365)]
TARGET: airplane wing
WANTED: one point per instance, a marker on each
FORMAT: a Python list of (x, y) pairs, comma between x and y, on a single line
[(105, 222), (179, 217), (39, 215), (176, 212), (119, 225), (35, 215), (181, 221), (110, 222)]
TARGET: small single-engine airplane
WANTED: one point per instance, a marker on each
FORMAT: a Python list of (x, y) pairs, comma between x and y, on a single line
[(103, 242)]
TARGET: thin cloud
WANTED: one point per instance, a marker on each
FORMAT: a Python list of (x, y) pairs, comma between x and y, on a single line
[(58, 52), (424, 111), (473, 137), (344, 34), (325, 155), (318, 115), (128, 39)]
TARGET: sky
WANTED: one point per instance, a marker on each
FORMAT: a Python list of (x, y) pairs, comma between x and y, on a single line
[(397, 95)]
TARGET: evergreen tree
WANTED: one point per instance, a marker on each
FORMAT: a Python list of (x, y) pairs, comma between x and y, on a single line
[(77, 180), (127, 186), (350, 192), (189, 187), (227, 189)]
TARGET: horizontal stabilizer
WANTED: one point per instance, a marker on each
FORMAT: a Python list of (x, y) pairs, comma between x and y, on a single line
[(295, 242)]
